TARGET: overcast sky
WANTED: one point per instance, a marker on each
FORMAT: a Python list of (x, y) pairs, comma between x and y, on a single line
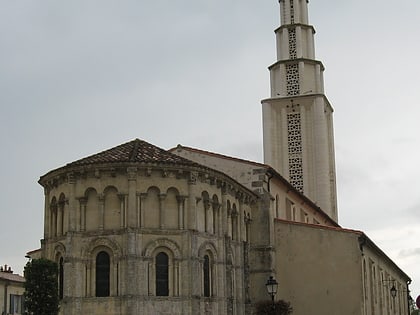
[(78, 77)]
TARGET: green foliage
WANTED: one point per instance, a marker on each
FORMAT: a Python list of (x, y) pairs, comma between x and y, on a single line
[(415, 312), (280, 308), (41, 287)]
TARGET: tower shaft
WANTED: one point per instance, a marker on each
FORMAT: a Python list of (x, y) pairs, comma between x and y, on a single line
[(297, 118)]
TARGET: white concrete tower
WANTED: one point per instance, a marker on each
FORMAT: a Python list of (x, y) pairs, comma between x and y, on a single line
[(297, 118)]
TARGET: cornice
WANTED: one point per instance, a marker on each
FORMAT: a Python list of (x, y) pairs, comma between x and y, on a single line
[(297, 60), (194, 174), (289, 26), (297, 97)]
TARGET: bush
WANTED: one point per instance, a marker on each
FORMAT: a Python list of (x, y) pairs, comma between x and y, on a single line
[(41, 290), (280, 308)]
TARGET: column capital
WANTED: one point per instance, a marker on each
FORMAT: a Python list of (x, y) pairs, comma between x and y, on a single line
[(82, 200), (121, 196), (181, 198), (192, 180), (71, 178), (132, 173)]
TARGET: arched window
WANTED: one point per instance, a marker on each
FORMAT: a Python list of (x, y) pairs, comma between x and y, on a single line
[(61, 278), (162, 274), (102, 274), (207, 276)]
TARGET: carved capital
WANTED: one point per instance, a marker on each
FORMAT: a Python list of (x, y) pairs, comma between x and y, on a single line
[(121, 196), (71, 178), (192, 180), (142, 196), (181, 199), (148, 172), (223, 188), (82, 200), (216, 205), (206, 204), (132, 173)]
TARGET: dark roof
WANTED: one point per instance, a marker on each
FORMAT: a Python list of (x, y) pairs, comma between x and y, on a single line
[(135, 151)]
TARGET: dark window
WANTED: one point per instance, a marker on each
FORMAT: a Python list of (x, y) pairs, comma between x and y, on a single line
[(162, 269), (102, 274), (206, 272), (61, 278), (16, 304)]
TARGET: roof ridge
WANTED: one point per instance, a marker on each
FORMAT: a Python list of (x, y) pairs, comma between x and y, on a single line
[(135, 150), (224, 156)]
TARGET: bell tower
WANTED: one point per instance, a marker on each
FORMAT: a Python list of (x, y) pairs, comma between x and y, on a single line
[(297, 118)]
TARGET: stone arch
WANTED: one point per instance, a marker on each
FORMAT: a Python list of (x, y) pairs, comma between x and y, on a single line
[(59, 251), (152, 208), (172, 251), (235, 222), (59, 254), (215, 199), (92, 209), (113, 250), (228, 207), (151, 248), (53, 216), (109, 188), (208, 247), (202, 212), (170, 215), (112, 208), (62, 215), (214, 214), (102, 243), (208, 269)]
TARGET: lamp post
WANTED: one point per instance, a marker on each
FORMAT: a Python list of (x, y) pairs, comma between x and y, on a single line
[(271, 286)]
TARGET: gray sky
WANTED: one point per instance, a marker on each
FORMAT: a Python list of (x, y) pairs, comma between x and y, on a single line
[(78, 77)]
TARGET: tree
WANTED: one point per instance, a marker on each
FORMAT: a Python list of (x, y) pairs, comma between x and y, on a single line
[(413, 307), (41, 287), (279, 308)]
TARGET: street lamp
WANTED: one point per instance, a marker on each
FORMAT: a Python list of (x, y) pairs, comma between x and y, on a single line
[(393, 291), (271, 286)]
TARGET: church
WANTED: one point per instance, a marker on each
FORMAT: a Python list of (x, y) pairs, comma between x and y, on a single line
[(137, 229)]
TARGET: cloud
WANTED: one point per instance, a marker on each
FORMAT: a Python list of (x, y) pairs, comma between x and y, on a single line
[(406, 253)]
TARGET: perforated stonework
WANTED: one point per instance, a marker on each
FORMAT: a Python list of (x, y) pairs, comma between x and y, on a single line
[(292, 12), (292, 79), (292, 43), (295, 150)]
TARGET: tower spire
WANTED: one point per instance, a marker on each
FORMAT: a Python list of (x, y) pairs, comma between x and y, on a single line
[(297, 118)]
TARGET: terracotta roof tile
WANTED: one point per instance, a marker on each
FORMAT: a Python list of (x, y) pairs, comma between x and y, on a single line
[(136, 151)]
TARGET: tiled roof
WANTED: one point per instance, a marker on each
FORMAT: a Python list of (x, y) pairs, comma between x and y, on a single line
[(218, 155), (136, 151), (257, 164), (11, 277)]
